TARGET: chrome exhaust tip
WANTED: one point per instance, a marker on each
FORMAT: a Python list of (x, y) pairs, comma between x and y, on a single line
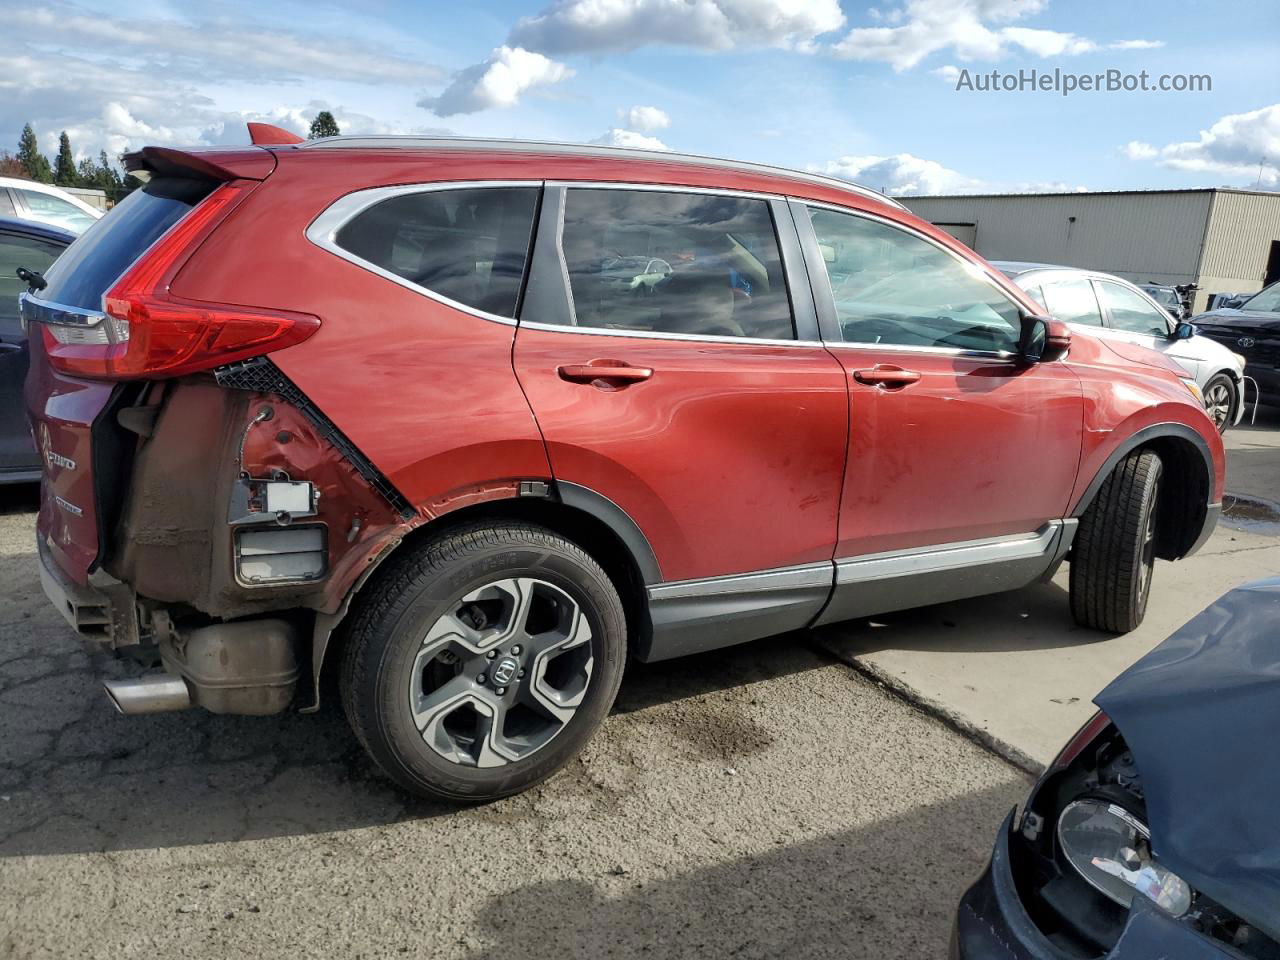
[(154, 693)]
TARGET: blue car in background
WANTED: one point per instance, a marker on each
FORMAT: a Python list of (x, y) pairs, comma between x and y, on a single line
[(1156, 832), (32, 246)]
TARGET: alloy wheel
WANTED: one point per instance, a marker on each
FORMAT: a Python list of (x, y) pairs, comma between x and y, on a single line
[(500, 674), (1217, 403)]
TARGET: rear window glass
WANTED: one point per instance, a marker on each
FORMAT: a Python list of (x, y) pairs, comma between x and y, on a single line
[(103, 252), (691, 263), (468, 245)]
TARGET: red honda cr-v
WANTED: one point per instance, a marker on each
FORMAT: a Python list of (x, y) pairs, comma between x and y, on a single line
[(474, 422)]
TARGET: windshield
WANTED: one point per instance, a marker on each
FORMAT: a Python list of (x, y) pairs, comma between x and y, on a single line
[(1268, 301)]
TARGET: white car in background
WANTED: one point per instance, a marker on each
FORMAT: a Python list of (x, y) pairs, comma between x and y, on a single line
[(44, 203), (1111, 307)]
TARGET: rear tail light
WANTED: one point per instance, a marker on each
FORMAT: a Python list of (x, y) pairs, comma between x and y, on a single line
[(146, 332)]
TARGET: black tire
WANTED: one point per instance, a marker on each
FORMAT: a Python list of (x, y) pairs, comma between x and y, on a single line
[(1113, 555), (394, 615), (1221, 385)]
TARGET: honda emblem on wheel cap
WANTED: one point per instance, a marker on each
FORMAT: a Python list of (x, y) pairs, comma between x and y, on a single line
[(505, 671), (1246, 342)]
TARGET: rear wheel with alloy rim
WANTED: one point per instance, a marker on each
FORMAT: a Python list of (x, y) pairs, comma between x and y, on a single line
[(483, 661), (1220, 401)]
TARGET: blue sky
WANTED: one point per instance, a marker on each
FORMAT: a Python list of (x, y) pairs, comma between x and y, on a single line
[(859, 90)]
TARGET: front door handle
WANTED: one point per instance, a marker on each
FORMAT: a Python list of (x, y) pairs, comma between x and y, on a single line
[(608, 371), (886, 375)]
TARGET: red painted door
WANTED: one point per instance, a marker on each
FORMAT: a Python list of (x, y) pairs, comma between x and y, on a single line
[(952, 437), (975, 447), (712, 425)]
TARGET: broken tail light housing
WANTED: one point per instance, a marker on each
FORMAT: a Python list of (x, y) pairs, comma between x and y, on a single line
[(146, 332)]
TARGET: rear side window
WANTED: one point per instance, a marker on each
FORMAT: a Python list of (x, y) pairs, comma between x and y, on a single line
[(690, 263), (55, 210), (470, 246), (103, 252), (6, 204), (1071, 300)]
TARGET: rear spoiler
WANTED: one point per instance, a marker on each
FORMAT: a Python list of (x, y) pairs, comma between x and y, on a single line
[(216, 164)]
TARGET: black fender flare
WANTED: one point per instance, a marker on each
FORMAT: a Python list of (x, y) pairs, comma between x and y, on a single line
[(1155, 431)]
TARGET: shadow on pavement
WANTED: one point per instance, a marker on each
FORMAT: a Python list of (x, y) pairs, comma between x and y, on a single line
[(1037, 617), (76, 776), (885, 890), (19, 498)]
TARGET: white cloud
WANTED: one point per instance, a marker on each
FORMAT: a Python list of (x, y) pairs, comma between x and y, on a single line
[(645, 119), (905, 175), (205, 49), (1236, 146), (1136, 45), (950, 72), (596, 26), (902, 175), (967, 29), (618, 137), (1048, 43), (1137, 150), (498, 81)]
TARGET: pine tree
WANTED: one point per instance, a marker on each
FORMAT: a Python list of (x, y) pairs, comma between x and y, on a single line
[(323, 126), (64, 168), (35, 163)]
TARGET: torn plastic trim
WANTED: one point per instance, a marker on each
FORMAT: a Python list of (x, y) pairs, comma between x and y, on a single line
[(260, 375), (1199, 713)]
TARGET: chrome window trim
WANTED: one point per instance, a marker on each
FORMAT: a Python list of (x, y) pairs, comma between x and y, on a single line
[(766, 198), (948, 556), (662, 335), (911, 348), (60, 314), (323, 230), (782, 578), (561, 148), (985, 276)]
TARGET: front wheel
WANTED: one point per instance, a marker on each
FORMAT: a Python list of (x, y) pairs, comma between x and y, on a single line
[(1221, 400), (483, 661), (1114, 552)]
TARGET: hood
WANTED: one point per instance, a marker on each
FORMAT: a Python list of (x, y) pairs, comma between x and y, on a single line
[(1136, 353), (1238, 319), (1201, 713)]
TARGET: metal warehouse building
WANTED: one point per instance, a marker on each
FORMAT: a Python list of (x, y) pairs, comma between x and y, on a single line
[(1227, 241)]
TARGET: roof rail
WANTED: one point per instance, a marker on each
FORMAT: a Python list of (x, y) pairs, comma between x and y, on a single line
[(590, 150)]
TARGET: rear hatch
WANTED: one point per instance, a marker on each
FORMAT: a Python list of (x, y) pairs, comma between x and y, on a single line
[(84, 454)]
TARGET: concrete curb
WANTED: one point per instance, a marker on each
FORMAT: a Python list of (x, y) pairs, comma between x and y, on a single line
[(940, 712)]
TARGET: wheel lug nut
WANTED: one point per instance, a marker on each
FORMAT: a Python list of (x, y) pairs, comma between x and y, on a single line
[(480, 679), (501, 691), (520, 675), (515, 651), (492, 654)]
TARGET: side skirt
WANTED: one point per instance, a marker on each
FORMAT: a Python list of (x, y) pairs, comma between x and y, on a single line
[(884, 582)]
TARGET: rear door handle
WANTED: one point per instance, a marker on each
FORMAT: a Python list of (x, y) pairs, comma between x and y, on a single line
[(606, 370), (886, 375)]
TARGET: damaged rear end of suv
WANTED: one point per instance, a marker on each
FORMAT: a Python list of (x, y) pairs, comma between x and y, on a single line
[(197, 512)]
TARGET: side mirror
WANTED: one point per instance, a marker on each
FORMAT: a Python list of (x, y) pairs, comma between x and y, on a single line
[(1184, 331), (1044, 340)]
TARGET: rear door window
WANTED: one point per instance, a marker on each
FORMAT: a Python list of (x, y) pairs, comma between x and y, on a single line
[(1071, 300), (470, 245), (103, 252), (676, 263)]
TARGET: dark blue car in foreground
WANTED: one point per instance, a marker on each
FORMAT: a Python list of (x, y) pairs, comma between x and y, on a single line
[(33, 246), (1156, 832)]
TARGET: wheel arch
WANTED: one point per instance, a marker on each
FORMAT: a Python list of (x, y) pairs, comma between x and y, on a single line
[(1182, 506), (577, 513)]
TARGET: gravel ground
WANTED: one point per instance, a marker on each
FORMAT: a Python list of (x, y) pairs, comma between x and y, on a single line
[(761, 802)]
